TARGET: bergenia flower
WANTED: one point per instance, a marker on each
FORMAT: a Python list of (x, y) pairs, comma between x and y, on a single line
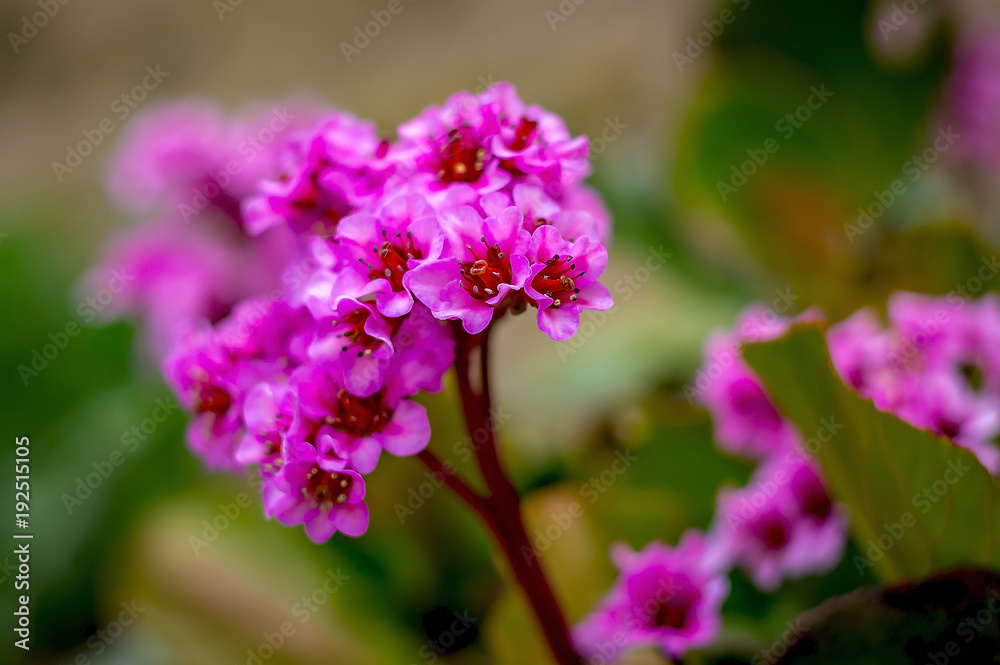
[(307, 491), (208, 382), (782, 525), (485, 263), (563, 280), (326, 173), (354, 428), (401, 236), (664, 597)]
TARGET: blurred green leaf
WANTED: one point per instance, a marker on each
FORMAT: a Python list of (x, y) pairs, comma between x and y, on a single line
[(918, 503)]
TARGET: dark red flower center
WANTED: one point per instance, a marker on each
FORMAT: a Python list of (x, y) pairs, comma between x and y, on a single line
[(948, 427), (523, 134), (210, 398), (462, 157), (328, 488), (312, 199), (772, 531), (392, 256), (359, 416), (483, 276), (556, 280), (816, 503), (675, 611)]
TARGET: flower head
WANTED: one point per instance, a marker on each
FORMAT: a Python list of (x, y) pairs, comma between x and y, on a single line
[(665, 597)]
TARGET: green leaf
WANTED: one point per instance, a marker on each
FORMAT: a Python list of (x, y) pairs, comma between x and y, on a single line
[(918, 503)]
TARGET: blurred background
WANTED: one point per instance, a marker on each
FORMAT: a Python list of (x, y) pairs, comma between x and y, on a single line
[(794, 153)]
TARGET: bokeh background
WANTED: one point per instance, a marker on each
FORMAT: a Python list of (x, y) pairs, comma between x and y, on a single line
[(671, 117)]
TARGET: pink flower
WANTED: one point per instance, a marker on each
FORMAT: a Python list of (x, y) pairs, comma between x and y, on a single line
[(401, 236), (563, 280), (782, 525), (268, 412), (327, 173), (209, 383), (477, 144), (354, 428), (935, 366), (486, 263), (310, 490), (665, 597)]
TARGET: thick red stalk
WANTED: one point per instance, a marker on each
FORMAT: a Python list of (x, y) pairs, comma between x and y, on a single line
[(504, 502)]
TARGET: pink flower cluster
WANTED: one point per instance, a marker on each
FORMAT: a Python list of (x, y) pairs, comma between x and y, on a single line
[(936, 366), (298, 274), (781, 525)]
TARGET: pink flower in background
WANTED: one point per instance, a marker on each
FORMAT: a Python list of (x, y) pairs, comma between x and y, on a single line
[(324, 175), (747, 422), (935, 366), (664, 597), (782, 525), (972, 95)]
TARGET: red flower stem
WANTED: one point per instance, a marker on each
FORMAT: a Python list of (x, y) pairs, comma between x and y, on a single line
[(504, 502), (457, 485)]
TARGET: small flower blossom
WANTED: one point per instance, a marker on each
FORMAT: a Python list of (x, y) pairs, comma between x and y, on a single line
[(563, 280), (782, 525), (354, 428), (664, 597), (325, 498), (404, 234), (486, 263)]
